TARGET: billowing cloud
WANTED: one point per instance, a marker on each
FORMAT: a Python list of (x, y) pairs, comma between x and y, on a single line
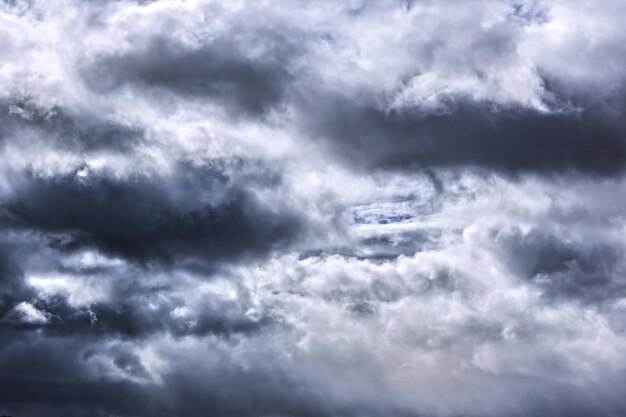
[(293, 208)]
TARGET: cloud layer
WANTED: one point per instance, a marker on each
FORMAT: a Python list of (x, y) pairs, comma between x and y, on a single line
[(291, 208)]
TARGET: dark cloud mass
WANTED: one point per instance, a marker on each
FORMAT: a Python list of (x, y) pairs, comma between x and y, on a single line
[(138, 219), (474, 134), (13, 288), (331, 208)]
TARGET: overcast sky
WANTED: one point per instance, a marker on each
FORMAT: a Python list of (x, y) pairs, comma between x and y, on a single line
[(290, 208)]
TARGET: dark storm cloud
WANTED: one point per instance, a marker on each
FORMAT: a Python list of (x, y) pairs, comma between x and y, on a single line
[(36, 372), (473, 134), (65, 388), (217, 71), (143, 220), (40, 369)]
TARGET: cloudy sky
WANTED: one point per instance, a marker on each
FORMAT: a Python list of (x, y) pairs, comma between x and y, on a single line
[(290, 208)]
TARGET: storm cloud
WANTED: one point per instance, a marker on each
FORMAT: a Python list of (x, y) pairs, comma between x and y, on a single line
[(292, 208), (137, 219)]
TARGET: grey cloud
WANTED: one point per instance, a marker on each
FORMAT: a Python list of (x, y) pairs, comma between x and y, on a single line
[(591, 273), (77, 131), (473, 135), (13, 289), (216, 71)]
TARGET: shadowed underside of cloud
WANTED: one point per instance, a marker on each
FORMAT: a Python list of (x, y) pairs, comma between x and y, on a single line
[(566, 269), (215, 71), (239, 393), (141, 220), (473, 134)]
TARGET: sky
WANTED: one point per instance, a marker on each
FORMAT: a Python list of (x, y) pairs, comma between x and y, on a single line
[(290, 208)]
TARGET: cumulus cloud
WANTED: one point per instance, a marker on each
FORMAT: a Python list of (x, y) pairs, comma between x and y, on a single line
[(295, 208)]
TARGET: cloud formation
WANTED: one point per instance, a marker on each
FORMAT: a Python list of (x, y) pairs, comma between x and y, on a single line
[(294, 208)]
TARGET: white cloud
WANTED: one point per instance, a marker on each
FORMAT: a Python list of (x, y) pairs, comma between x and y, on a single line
[(26, 313)]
